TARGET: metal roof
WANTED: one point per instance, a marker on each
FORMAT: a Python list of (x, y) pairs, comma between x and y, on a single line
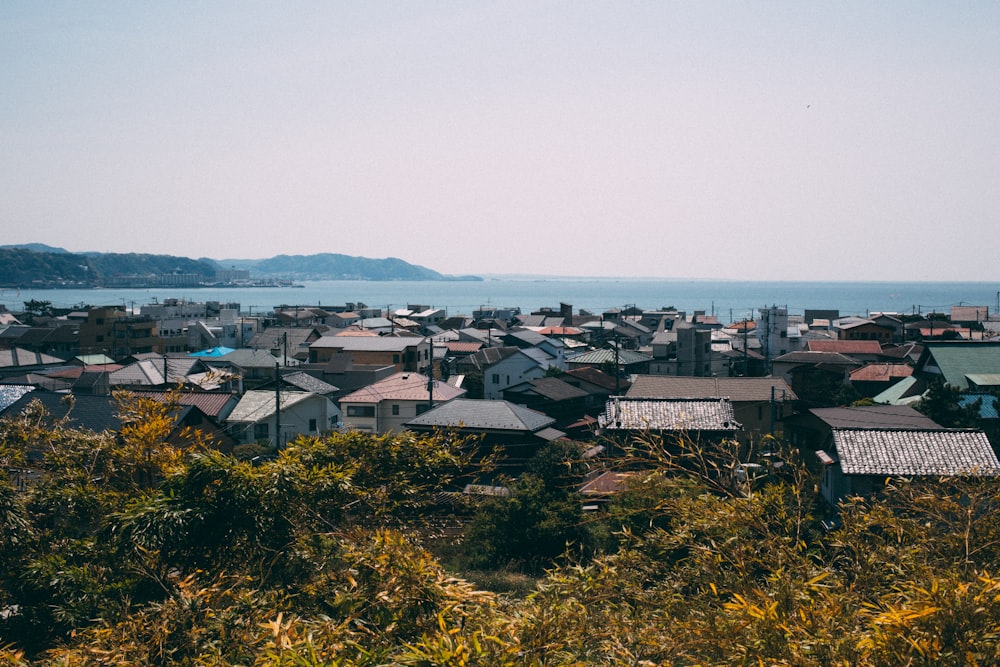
[(485, 415), (736, 389), (402, 387), (956, 360), (258, 405)]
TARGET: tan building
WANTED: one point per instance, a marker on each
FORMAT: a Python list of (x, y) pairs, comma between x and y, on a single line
[(388, 404)]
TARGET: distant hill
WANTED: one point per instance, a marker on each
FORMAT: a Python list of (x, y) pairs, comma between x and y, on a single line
[(35, 247), (41, 265), (332, 266), (21, 266)]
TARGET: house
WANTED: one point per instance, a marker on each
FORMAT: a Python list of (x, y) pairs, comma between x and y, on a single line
[(759, 404), (861, 350), (628, 362), (859, 460), (99, 413), (287, 342), (517, 431), (301, 413), (873, 379), (405, 353), (812, 430), (210, 417), (515, 368), (696, 419), (386, 405), (952, 362), (569, 397), (814, 376), (852, 329), (555, 397), (18, 361)]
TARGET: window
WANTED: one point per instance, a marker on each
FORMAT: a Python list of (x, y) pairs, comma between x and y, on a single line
[(395, 358), (496, 378), (312, 425), (360, 410), (260, 431), (395, 410)]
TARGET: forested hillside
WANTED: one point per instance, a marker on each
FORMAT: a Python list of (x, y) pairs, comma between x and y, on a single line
[(344, 550), (20, 267)]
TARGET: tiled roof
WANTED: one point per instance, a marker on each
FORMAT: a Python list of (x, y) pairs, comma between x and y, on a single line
[(745, 389), (402, 387), (914, 452), (463, 347), (875, 416), (845, 346), (307, 382), (669, 415), (11, 393), (485, 415), (211, 403)]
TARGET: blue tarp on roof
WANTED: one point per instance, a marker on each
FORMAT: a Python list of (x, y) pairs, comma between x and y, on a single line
[(987, 404), (213, 352)]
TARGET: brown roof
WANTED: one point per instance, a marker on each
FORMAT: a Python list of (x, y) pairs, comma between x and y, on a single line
[(875, 416), (881, 372), (737, 390), (402, 387), (211, 403), (845, 346)]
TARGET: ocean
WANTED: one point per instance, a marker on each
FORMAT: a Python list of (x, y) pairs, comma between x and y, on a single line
[(730, 300)]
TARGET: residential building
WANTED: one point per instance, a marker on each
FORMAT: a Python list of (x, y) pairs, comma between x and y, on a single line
[(758, 404), (387, 405), (860, 460), (256, 418), (405, 353)]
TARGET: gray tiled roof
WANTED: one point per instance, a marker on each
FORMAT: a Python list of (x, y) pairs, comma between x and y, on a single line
[(484, 414), (914, 452), (669, 415)]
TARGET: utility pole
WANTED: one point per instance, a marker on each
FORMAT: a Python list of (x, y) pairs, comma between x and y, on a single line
[(277, 405), (430, 379)]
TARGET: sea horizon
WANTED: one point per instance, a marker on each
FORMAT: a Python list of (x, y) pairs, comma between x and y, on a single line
[(728, 299)]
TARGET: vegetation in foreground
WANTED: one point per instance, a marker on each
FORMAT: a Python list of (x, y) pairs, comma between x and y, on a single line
[(130, 551)]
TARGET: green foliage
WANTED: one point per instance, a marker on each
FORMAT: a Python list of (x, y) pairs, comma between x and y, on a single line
[(538, 521), (121, 554), (940, 403)]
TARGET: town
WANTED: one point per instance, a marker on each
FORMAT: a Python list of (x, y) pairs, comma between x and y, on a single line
[(841, 389)]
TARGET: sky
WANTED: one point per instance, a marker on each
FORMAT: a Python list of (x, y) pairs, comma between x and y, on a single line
[(740, 140)]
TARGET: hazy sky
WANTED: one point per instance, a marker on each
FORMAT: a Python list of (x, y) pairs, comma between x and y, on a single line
[(792, 140)]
